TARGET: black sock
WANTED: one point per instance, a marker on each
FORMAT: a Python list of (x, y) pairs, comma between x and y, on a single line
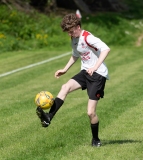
[(56, 106), (94, 129)]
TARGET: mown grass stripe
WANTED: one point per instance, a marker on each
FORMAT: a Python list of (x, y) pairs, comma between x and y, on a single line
[(35, 64)]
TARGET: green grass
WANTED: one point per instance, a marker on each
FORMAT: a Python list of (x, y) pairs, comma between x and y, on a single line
[(69, 137)]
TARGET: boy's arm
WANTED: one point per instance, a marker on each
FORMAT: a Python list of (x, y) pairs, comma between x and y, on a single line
[(71, 61), (101, 59)]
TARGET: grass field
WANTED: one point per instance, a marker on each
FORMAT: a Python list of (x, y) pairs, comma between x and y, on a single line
[(69, 137)]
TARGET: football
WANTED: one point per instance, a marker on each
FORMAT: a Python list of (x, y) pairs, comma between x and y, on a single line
[(44, 99)]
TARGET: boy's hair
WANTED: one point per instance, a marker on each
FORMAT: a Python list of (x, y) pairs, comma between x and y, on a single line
[(69, 21)]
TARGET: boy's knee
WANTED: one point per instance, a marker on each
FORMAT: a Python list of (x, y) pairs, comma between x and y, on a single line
[(65, 88), (91, 114)]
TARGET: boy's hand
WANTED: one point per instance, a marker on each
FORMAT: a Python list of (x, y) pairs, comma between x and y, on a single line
[(90, 71), (59, 73)]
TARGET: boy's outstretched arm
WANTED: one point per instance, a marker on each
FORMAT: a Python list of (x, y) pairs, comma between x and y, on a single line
[(71, 61)]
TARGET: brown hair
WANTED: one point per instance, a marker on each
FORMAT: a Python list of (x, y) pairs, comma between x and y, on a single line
[(69, 21)]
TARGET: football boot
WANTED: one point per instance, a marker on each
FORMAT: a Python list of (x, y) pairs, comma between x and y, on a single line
[(44, 117), (96, 143)]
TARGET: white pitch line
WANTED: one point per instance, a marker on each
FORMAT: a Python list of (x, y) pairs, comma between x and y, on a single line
[(35, 64)]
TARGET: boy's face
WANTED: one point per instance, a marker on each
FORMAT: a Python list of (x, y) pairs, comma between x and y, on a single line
[(74, 32)]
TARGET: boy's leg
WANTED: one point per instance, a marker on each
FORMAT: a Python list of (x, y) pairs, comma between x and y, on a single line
[(92, 104), (70, 86)]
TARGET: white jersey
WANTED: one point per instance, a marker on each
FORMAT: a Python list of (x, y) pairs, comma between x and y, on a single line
[(88, 48)]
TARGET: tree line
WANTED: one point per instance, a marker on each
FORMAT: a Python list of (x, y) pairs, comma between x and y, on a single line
[(85, 6)]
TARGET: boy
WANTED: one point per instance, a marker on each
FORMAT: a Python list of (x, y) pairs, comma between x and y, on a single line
[(92, 76)]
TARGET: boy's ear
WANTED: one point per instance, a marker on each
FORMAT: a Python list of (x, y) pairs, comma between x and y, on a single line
[(78, 26)]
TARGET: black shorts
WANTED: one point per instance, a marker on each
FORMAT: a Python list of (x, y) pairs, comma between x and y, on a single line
[(94, 84)]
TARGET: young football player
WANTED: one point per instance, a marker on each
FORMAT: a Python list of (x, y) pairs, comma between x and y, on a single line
[(92, 52)]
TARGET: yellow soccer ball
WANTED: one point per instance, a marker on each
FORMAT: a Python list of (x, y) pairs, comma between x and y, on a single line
[(44, 99)]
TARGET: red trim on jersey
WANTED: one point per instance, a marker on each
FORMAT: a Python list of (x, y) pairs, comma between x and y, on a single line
[(85, 34)]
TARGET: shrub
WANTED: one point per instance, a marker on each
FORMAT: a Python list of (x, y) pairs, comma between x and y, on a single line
[(20, 31)]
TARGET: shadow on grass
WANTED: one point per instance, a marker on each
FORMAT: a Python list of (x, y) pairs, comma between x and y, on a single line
[(106, 142)]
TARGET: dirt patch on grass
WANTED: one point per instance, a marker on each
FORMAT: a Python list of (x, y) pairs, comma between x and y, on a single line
[(139, 41)]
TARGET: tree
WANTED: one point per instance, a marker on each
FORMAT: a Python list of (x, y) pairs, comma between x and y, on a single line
[(89, 6), (39, 4)]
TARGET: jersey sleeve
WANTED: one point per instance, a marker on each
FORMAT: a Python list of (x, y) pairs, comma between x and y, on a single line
[(96, 43), (75, 53)]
